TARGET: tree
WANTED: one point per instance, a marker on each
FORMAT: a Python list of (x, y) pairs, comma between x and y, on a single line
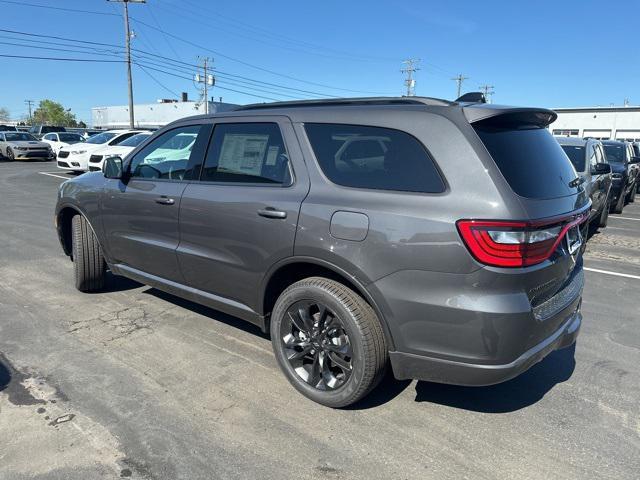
[(4, 114), (53, 113)]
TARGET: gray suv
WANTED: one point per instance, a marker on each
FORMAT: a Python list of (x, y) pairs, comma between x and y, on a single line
[(441, 238)]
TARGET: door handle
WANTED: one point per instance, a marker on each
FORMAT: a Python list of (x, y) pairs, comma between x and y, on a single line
[(271, 212), (164, 200)]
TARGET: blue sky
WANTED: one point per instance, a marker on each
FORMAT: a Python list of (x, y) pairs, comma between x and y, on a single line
[(543, 53)]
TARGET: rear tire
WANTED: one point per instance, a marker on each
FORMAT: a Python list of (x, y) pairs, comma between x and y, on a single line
[(604, 216), (88, 261), (632, 195), (328, 342), (617, 208)]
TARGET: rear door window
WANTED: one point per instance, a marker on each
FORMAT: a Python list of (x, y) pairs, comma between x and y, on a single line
[(373, 158), (530, 159)]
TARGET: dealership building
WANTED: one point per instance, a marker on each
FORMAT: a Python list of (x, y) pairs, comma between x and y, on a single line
[(603, 123), (153, 115)]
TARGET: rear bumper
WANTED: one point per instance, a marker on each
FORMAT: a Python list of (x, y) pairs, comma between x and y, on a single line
[(410, 366)]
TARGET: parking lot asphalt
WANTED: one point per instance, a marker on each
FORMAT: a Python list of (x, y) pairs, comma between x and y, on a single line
[(135, 383)]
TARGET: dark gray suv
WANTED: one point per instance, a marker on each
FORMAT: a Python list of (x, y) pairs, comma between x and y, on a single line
[(441, 238)]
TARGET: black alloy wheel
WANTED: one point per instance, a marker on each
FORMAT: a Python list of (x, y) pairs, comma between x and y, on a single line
[(328, 341), (317, 345)]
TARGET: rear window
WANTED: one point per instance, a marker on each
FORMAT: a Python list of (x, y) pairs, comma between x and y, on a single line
[(373, 158), (576, 155), (530, 159), (615, 153)]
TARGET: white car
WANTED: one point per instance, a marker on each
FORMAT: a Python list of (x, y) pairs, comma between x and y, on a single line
[(62, 139), (122, 150), (76, 157)]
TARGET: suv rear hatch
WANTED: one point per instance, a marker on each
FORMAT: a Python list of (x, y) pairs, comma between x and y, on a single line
[(543, 249)]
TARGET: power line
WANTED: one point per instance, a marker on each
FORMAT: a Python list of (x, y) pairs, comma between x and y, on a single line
[(410, 83), (157, 81), (74, 10), (459, 79), (222, 88), (164, 35), (62, 59), (242, 62)]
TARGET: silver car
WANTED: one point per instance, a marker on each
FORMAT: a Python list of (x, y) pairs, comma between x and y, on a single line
[(23, 146)]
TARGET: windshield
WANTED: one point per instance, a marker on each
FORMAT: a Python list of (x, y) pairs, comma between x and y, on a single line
[(576, 155), (18, 137), (70, 137), (135, 140), (615, 153), (101, 138)]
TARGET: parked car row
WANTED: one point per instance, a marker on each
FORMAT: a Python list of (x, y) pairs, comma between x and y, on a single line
[(609, 170), (87, 155)]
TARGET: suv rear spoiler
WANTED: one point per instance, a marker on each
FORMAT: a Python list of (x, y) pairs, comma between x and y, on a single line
[(499, 115)]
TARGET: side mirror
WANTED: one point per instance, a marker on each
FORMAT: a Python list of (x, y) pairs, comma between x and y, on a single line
[(112, 167), (635, 160), (601, 169)]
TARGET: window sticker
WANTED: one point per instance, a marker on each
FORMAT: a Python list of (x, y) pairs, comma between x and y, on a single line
[(243, 153)]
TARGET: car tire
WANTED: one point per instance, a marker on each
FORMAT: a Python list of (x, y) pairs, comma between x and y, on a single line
[(632, 195), (617, 208), (335, 358), (88, 261), (10, 156), (604, 216)]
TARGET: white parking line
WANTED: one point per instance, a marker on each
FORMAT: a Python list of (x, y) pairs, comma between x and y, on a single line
[(607, 272), (627, 218), (66, 177)]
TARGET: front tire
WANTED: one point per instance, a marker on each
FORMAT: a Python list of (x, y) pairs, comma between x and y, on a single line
[(328, 341), (10, 156), (88, 261)]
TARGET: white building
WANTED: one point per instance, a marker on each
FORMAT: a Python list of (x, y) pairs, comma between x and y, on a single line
[(603, 123), (152, 114)]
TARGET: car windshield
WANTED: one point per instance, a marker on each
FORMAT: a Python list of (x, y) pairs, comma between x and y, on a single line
[(615, 153), (18, 137), (135, 140), (576, 155), (101, 138), (70, 137)]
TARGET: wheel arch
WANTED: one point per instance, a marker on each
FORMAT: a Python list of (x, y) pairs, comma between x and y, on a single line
[(64, 216), (293, 269)]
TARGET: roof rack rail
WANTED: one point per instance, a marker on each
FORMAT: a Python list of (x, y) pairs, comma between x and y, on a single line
[(350, 101)]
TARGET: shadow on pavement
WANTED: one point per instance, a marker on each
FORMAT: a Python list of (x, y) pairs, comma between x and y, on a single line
[(518, 393), (209, 312), (5, 374)]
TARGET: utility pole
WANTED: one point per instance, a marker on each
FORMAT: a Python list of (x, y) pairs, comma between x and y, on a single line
[(29, 103), (488, 91), (208, 80), (459, 79), (411, 66), (127, 33)]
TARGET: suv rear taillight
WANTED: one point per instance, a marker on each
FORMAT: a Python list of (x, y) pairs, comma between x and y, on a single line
[(514, 244)]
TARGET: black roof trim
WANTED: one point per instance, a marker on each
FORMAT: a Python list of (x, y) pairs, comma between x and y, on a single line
[(350, 101)]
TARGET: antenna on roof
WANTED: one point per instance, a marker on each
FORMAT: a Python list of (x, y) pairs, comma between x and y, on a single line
[(472, 97)]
